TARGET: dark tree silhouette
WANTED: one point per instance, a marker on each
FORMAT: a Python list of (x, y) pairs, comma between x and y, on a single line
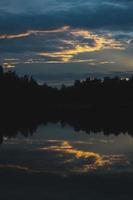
[(90, 104)]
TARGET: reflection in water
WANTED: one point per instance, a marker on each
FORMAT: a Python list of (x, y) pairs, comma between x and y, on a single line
[(64, 151), (83, 161), (17, 167), (88, 122)]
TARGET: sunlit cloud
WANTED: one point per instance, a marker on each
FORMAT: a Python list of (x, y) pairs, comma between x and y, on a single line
[(58, 46), (11, 59), (8, 66), (11, 63), (106, 62), (33, 32), (83, 41)]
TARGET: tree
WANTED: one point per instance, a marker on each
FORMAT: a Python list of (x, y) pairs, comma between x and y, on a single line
[(1, 70)]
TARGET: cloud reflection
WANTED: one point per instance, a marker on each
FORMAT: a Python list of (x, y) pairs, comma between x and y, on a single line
[(82, 161), (11, 166)]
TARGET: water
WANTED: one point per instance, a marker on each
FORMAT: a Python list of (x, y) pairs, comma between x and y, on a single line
[(60, 150), (54, 161)]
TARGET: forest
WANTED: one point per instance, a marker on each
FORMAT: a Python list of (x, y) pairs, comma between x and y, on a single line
[(24, 94)]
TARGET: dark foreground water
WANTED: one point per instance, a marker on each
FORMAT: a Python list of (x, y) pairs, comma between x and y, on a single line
[(57, 162)]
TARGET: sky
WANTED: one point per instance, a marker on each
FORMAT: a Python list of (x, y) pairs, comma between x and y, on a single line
[(67, 39)]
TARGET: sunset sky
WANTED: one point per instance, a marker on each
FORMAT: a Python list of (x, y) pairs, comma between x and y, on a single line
[(59, 39)]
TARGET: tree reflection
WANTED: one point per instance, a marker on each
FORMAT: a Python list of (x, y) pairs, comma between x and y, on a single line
[(107, 123)]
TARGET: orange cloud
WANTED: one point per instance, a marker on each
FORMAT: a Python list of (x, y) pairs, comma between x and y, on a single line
[(33, 32), (75, 42), (100, 43), (78, 48)]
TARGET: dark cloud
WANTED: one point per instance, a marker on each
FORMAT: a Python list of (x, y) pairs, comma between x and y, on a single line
[(96, 14)]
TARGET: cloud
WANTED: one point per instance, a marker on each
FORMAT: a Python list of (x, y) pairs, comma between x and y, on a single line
[(33, 32), (60, 32), (40, 14), (60, 45), (81, 41)]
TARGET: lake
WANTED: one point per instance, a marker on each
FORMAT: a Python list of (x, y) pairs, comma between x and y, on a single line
[(59, 162)]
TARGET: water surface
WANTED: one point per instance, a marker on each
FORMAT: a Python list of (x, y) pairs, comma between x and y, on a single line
[(57, 149)]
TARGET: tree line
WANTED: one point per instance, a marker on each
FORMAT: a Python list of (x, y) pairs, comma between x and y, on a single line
[(25, 94)]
